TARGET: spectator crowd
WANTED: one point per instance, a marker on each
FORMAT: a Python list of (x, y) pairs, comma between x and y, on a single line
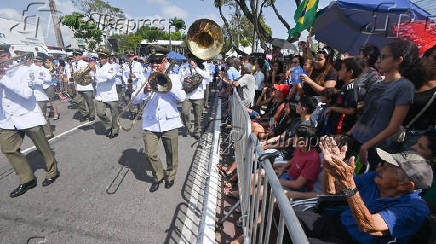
[(363, 127)]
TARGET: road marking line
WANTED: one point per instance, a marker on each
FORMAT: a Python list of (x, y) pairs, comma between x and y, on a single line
[(207, 223), (27, 150)]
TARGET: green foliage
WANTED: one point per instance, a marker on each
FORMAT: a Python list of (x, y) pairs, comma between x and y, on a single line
[(227, 46), (81, 28), (178, 24), (149, 33), (97, 6), (265, 26), (245, 43), (246, 30)]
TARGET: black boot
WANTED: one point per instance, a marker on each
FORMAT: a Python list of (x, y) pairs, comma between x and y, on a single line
[(155, 185), (21, 189), (48, 181), (108, 133)]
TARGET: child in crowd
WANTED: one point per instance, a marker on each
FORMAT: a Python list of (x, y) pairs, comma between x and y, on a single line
[(301, 172), (342, 116)]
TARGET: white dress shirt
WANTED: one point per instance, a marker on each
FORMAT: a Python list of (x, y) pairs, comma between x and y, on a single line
[(41, 81), (18, 107), (161, 113), (78, 66), (105, 88), (198, 93), (119, 73), (137, 71)]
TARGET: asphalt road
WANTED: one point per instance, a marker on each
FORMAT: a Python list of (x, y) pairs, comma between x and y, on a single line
[(77, 209)]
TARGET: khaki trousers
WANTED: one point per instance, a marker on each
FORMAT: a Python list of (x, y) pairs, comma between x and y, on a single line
[(133, 108), (206, 95), (101, 113), (87, 97), (170, 143), (45, 128), (11, 141), (71, 90), (197, 105)]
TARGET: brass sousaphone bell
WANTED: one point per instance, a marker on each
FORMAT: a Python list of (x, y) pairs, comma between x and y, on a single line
[(205, 39)]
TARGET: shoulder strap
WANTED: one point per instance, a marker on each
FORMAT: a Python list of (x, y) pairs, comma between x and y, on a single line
[(422, 111)]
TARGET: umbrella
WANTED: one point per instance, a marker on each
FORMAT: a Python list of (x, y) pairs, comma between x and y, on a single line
[(176, 56), (421, 33), (283, 44), (346, 25)]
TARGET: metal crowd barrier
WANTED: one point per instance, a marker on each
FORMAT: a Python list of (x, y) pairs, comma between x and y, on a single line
[(257, 215)]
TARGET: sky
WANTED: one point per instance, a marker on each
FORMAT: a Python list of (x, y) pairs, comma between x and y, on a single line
[(188, 10)]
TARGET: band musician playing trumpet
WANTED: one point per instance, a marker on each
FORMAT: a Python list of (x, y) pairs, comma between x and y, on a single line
[(106, 93), (85, 93), (133, 76), (161, 120), (20, 115)]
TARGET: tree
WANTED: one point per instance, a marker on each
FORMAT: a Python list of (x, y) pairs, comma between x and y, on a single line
[(242, 27), (246, 29), (149, 33), (88, 7), (178, 24), (83, 28), (82, 23), (248, 8)]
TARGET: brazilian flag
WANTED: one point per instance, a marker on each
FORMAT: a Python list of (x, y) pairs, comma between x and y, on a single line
[(304, 17)]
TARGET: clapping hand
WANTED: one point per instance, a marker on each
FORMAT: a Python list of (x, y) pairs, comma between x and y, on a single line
[(334, 162), (330, 149)]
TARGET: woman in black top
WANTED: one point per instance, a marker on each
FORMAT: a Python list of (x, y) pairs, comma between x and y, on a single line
[(424, 91), (324, 74)]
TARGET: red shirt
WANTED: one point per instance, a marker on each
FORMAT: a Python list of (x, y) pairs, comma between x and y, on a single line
[(306, 164)]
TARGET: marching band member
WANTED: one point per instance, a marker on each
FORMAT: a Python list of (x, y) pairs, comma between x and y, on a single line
[(106, 93), (20, 115), (50, 88), (85, 94), (195, 99), (71, 87), (161, 121), (42, 79), (211, 68), (133, 77), (118, 78)]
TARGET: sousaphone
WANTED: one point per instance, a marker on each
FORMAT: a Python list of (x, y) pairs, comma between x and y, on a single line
[(205, 40)]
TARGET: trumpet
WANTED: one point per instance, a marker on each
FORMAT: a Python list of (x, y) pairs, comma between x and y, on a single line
[(159, 82), (130, 80), (5, 65), (83, 77)]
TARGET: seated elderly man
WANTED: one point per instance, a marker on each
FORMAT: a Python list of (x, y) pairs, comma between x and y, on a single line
[(384, 206)]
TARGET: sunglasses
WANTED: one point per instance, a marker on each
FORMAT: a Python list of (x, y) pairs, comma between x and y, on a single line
[(324, 51)]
